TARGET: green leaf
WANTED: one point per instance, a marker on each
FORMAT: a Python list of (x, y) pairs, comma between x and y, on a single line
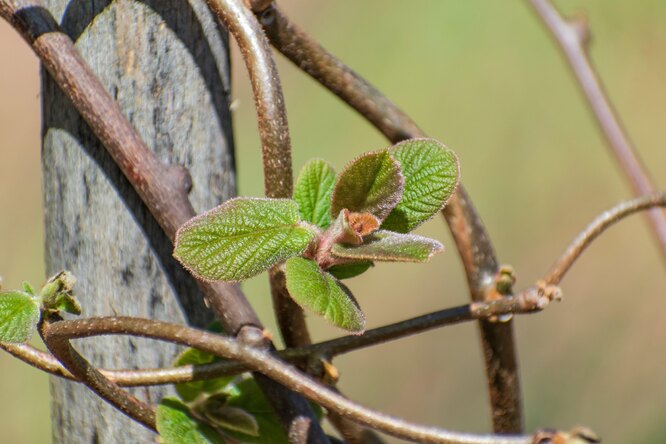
[(189, 391), (176, 426), (370, 183), (68, 303), (216, 410), (431, 173), (320, 292), (241, 238), (19, 314), (28, 288), (313, 192), (247, 396), (350, 270), (392, 247)]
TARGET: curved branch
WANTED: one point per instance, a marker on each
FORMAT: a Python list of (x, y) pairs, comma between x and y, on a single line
[(265, 363), (472, 240), (268, 98), (93, 379), (572, 37), (598, 226), (529, 301)]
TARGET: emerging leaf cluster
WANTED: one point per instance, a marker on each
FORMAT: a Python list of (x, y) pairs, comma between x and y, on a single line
[(335, 228), (20, 311)]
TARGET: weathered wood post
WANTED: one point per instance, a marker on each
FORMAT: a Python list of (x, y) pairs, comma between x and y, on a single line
[(167, 65)]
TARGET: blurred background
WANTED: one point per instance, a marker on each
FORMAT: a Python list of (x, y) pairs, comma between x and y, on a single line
[(484, 77)]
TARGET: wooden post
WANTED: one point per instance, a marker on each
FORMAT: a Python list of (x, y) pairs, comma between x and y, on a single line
[(167, 65)]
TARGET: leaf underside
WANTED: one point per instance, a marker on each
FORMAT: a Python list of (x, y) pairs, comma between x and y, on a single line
[(431, 173), (176, 426), (370, 183), (350, 270), (19, 314), (320, 292), (313, 192), (241, 238), (389, 246)]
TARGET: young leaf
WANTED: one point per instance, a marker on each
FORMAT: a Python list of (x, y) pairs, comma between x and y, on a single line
[(313, 192), (431, 174), (216, 410), (370, 183), (176, 426), (241, 238), (247, 396), (19, 314), (189, 391), (392, 247), (350, 270), (320, 292)]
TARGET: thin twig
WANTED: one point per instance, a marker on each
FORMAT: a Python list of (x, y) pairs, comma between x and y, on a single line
[(471, 238), (162, 188), (529, 301), (572, 37), (598, 226), (264, 362), (93, 379)]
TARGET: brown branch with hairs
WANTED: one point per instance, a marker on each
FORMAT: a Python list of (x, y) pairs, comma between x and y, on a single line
[(63, 351), (264, 362), (572, 36), (472, 241), (164, 189), (529, 301)]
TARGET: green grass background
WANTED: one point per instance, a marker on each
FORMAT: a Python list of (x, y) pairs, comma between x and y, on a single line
[(483, 77)]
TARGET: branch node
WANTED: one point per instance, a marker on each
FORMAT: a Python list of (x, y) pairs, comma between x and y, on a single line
[(580, 25), (181, 178), (253, 336)]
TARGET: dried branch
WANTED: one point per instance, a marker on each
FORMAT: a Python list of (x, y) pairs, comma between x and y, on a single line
[(598, 226), (162, 188), (572, 37), (264, 362), (93, 379), (471, 239)]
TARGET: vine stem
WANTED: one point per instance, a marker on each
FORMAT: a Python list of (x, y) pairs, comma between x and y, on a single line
[(472, 241), (598, 226), (92, 378), (264, 362), (572, 37), (529, 301), (164, 189)]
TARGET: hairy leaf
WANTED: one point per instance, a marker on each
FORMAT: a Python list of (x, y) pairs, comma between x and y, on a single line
[(392, 247), (188, 391), (431, 173), (350, 270), (370, 183), (313, 192), (19, 314), (320, 292), (241, 238), (176, 426)]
